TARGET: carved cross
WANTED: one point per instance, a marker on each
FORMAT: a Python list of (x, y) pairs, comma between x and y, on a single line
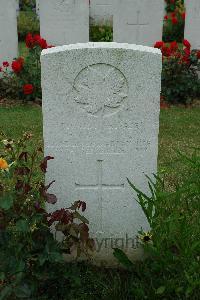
[(138, 25), (100, 185)]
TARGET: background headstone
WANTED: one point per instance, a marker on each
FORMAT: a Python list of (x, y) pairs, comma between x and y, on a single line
[(8, 30), (101, 119), (64, 22), (192, 23), (101, 11), (138, 21)]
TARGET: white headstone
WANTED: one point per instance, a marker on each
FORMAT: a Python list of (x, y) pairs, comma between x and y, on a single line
[(64, 22), (192, 23), (8, 30), (101, 11), (138, 21), (101, 118)]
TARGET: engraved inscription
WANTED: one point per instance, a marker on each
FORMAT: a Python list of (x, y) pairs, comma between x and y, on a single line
[(100, 89)]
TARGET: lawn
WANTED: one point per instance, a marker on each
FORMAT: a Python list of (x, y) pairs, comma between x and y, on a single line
[(179, 130)]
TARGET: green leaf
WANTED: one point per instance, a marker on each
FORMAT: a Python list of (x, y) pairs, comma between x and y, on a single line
[(122, 258), (6, 292), (6, 202), (22, 225), (2, 275), (80, 217), (23, 291), (160, 290)]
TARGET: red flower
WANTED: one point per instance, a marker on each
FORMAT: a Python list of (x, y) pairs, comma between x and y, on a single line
[(166, 51), (187, 51), (6, 64), (166, 17), (40, 41), (1, 69), (36, 38), (198, 54), (28, 89), (17, 65), (174, 46), (173, 15), (186, 44), (29, 41), (183, 15), (43, 43), (174, 20), (159, 44)]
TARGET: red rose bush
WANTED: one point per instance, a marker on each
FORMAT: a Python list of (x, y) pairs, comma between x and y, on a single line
[(180, 82), (22, 77)]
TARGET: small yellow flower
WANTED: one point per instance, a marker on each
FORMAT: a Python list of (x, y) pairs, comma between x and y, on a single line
[(33, 227), (145, 237), (3, 164)]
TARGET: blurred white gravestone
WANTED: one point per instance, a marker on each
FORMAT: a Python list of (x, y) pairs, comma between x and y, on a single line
[(8, 30), (64, 22), (138, 21), (101, 119), (192, 23), (101, 11)]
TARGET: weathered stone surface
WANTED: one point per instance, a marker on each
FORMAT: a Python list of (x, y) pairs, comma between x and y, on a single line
[(64, 22), (101, 11), (138, 21), (101, 120), (192, 23), (8, 30)]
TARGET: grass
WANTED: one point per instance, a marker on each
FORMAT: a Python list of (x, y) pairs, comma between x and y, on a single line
[(179, 129)]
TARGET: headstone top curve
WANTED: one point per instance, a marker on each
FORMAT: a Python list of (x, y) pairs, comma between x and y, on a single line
[(112, 45)]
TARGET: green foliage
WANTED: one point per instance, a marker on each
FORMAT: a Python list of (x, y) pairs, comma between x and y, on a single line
[(174, 21), (31, 260), (101, 33), (27, 22), (27, 5), (172, 266), (171, 5), (174, 32), (180, 81)]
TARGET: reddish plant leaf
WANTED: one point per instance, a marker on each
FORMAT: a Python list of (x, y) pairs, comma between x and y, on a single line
[(43, 164), (23, 156), (51, 198), (21, 171)]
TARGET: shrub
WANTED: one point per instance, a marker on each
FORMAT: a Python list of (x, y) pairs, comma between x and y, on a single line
[(171, 5), (22, 78), (27, 22), (101, 33), (30, 258), (173, 29), (180, 82), (171, 268), (27, 5)]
